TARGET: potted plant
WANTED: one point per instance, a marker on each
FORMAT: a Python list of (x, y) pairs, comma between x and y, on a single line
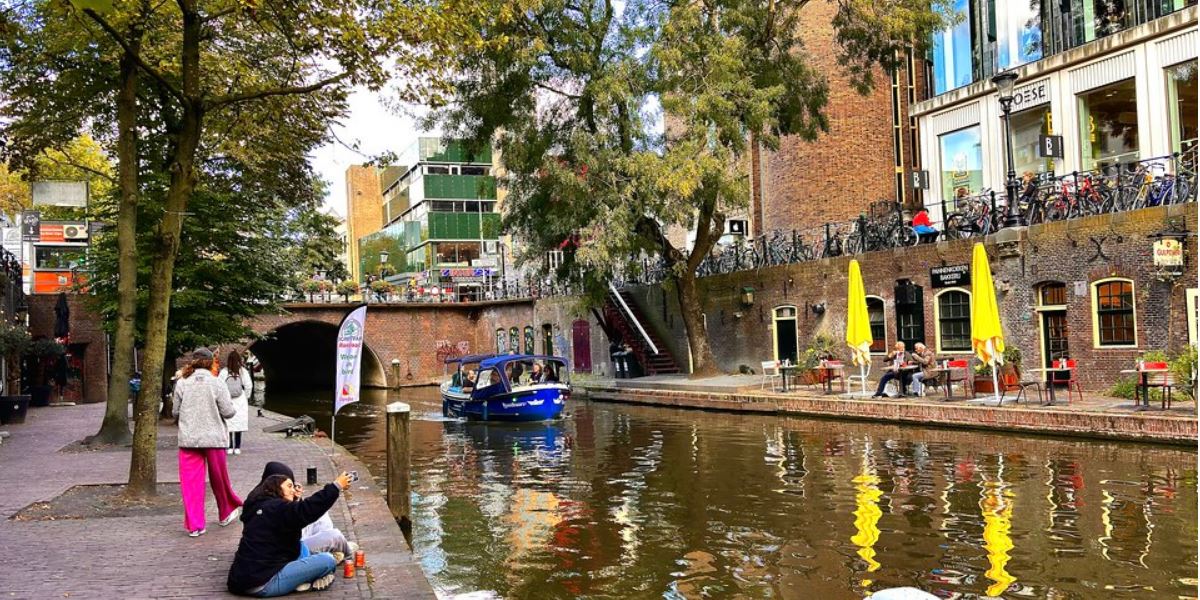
[(347, 288), (310, 287), (39, 353), (819, 348), (1007, 375), (382, 287), (13, 405)]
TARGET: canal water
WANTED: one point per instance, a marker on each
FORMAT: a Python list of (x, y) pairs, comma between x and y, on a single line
[(621, 501)]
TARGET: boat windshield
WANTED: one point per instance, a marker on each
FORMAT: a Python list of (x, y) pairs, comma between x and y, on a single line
[(533, 371)]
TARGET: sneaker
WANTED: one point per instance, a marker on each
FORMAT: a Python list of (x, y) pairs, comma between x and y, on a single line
[(229, 451), (237, 450), (304, 587), (197, 533), (232, 516), (323, 582)]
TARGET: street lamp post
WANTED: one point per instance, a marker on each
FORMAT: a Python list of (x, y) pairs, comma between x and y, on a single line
[(383, 258), (1005, 82)]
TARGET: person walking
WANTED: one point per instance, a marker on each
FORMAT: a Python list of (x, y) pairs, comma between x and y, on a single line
[(201, 405), (236, 379)]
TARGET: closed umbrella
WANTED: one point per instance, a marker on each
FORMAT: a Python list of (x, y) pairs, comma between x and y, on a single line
[(62, 317), (987, 338), (858, 323)]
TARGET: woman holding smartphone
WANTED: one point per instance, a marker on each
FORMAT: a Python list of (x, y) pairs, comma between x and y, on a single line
[(270, 559)]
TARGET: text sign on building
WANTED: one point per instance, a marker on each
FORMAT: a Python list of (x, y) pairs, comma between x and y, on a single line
[(60, 193), (1031, 95), (1050, 146), (950, 276), (1168, 252), (466, 272), (920, 180)]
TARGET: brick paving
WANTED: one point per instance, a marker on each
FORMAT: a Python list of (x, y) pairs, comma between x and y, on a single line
[(1094, 416), (152, 557)]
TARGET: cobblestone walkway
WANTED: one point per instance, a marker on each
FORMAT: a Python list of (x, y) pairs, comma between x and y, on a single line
[(152, 557)]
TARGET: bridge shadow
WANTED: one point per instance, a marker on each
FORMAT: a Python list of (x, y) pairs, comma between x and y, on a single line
[(300, 355)]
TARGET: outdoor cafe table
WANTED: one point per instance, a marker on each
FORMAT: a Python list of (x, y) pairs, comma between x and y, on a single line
[(906, 373), (826, 372), (1051, 380), (949, 371), (1143, 389), (785, 372)]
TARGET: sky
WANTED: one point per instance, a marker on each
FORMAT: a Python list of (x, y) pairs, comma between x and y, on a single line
[(375, 129)]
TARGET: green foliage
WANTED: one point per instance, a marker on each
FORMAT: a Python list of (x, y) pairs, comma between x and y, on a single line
[(310, 286), (382, 287), (44, 347), (347, 288), (14, 340), (1012, 356), (820, 348), (1123, 388), (1184, 369)]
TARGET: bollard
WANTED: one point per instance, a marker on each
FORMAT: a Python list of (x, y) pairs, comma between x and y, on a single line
[(396, 372), (398, 460)]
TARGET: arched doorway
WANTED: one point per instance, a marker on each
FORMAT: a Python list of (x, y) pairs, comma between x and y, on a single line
[(784, 323), (300, 356)]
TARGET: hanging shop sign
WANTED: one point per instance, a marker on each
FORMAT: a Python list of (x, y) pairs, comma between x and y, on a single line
[(950, 276), (1168, 252)]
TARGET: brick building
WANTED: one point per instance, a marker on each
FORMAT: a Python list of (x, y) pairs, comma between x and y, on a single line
[(862, 158), (1054, 282), (87, 360), (364, 211)]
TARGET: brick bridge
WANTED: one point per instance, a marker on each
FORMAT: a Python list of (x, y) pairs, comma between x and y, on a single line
[(406, 344)]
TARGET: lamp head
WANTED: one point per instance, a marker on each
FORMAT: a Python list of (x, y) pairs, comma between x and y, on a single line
[(383, 256), (1005, 82)]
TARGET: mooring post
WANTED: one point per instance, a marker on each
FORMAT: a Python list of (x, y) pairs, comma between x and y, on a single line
[(398, 461)]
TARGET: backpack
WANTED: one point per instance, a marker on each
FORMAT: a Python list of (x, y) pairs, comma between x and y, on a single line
[(234, 384)]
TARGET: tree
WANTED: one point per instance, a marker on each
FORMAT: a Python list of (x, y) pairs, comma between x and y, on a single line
[(316, 245), (618, 123)]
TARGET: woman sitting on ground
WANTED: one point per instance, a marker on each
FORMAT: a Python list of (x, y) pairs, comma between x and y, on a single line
[(320, 535), (270, 559)]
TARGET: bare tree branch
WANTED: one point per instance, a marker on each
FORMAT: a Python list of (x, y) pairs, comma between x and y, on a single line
[(226, 100)]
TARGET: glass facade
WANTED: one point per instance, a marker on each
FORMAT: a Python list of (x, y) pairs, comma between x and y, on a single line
[(1182, 104), (1027, 127), (1018, 33), (961, 155), (1108, 125)]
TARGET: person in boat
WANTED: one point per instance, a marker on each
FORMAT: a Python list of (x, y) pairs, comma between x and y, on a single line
[(550, 375), (456, 380), (535, 373)]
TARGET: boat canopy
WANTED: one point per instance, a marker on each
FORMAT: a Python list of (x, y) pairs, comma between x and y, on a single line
[(503, 359)]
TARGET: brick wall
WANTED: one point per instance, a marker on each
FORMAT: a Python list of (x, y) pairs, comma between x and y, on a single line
[(834, 177), (364, 210), (87, 338), (1062, 252)]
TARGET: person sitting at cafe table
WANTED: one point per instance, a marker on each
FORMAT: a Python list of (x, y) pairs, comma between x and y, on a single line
[(927, 360), (895, 359), (924, 227)]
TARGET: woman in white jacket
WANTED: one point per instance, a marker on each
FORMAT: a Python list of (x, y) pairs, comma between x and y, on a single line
[(236, 379)]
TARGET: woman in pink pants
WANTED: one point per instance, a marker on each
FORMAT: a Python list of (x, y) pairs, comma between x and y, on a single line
[(202, 404)]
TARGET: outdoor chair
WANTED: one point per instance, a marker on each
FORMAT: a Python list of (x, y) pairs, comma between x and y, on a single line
[(830, 375), (1021, 385), (770, 371), (1163, 381), (951, 376), (859, 377), (1072, 379)]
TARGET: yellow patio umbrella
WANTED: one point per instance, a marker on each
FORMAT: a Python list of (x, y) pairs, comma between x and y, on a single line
[(987, 337), (858, 323)]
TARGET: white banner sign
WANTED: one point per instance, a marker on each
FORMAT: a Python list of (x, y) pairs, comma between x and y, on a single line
[(60, 193), (349, 358)]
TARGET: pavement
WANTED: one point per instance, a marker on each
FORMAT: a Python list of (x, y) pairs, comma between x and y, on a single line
[(1094, 415), (152, 556)]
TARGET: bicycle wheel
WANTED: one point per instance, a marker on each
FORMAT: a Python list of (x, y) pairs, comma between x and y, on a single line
[(957, 227), (854, 245), (904, 236), (1057, 209)]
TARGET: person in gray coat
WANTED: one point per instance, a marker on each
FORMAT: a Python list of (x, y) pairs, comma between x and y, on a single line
[(202, 404)]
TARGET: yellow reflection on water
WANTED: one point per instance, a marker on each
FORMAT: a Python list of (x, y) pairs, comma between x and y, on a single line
[(867, 514), (996, 504)]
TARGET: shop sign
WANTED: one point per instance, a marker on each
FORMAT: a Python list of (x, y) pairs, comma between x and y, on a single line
[(1168, 252), (466, 272), (483, 262), (950, 276), (1031, 95), (31, 225)]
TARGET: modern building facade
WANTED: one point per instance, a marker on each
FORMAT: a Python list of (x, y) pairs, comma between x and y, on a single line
[(441, 233), (1115, 79)]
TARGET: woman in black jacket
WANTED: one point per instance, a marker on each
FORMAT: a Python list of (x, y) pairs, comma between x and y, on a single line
[(268, 562)]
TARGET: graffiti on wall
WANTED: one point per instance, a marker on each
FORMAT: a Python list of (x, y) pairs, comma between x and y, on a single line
[(446, 349)]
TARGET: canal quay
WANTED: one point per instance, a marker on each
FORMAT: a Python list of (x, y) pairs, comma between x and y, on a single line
[(620, 500)]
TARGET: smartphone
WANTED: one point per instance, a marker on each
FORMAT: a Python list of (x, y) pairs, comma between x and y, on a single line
[(353, 476)]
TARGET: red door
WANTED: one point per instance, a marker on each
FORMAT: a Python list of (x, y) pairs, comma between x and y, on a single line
[(581, 342)]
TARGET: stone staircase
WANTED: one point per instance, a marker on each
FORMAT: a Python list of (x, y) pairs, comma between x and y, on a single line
[(660, 363)]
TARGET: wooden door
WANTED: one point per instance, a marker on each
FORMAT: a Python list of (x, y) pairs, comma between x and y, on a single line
[(581, 344)]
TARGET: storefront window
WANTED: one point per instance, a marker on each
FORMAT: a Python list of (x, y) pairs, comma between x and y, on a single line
[(951, 51), (962, 161), (1019, 33), (1027, 127), (1181, 97), (1108, 125), (58, 257), (456, 253)]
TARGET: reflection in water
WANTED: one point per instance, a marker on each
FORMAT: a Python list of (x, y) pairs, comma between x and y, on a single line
[(621, 501)]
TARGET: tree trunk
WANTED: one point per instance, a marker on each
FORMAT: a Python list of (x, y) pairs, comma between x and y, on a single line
[(115, 428), (703, 363)]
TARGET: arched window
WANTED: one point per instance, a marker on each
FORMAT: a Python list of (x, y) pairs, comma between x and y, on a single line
[(501, 341), (952, 311), (1114, 314), (878, 329), (529, 340), (514, 340)]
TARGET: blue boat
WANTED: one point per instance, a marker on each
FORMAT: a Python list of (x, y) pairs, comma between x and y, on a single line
[(487, 387)]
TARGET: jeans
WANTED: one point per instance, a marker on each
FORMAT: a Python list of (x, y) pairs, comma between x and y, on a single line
[(888, 376), (235, 439), (918, 382), (192, 464), (303, 570)]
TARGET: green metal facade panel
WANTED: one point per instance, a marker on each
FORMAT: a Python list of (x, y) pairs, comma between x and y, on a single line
[(463, 187), (435, 150)]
